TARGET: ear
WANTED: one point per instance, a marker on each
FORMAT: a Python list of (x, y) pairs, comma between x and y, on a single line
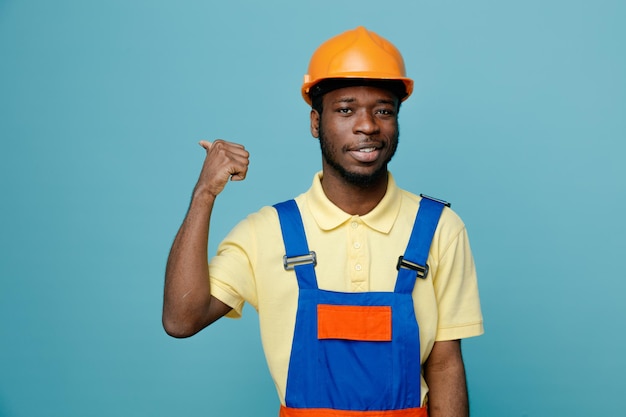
[(315, 123)]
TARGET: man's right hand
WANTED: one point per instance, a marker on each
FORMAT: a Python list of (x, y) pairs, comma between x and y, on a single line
[(224, 161)]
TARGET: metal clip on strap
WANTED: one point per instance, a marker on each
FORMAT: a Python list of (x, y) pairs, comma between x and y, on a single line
[(291, 262), (444, 202), (422, 271)]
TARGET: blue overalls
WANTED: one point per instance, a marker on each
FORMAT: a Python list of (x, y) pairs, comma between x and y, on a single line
[(355, 354)]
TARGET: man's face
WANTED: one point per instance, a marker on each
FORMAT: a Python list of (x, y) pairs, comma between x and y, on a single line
[(358, 133)]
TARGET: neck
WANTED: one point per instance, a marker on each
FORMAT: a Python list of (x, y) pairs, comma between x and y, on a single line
[(351, 198)]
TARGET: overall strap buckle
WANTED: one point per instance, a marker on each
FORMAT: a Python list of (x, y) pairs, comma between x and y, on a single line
[(444, 202), (422, 271), (290, 262)]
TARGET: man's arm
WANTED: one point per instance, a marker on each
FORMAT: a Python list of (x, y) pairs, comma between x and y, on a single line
[(188, 306), (444, 373)]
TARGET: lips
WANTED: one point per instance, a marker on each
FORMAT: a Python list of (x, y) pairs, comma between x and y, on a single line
[(367, 150), (365, 154)]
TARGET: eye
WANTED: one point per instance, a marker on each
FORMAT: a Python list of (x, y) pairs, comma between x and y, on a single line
[(344, 110), (386, 112)]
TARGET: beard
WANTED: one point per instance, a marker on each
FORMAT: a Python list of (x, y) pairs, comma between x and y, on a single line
[(355, 178)]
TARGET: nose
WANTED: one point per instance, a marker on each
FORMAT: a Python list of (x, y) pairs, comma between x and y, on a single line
[(365, 123)]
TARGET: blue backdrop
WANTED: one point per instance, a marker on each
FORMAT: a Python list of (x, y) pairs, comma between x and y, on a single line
[(518, 118)]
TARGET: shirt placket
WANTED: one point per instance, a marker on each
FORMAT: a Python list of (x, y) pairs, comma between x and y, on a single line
[(358, 264)]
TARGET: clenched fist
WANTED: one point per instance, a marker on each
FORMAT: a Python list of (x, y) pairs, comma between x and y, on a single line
[(224, 161)]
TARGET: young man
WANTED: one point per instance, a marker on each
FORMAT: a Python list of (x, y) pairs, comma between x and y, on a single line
[(363, 290)]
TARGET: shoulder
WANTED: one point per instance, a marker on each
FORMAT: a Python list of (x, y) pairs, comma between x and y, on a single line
[(263, 219), (449, 227), (266, 218), (449, 218), (257, 225)]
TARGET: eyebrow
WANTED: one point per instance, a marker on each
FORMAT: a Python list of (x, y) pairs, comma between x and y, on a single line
[(345, 100), (349, 99)]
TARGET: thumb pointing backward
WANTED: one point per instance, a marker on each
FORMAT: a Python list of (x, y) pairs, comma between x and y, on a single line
[(205, 144)]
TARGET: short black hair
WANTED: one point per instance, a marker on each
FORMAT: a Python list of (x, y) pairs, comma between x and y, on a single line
[(396, 87)]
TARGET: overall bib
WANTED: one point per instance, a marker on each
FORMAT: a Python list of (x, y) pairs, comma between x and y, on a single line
[(355, 354)]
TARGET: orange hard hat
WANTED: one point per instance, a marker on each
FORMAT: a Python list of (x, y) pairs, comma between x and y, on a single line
[(356, 54)]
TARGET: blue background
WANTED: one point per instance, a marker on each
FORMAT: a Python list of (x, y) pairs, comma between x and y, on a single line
[(518, 118)]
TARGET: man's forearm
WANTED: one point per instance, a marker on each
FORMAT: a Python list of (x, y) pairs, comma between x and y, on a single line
[(444, 373), (187, 291)]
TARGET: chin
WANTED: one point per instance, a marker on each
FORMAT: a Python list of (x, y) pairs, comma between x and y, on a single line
[(364, 179)]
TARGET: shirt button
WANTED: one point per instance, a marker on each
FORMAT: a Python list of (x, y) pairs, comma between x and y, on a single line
[(354, 225), (358, 267), (357, 245)]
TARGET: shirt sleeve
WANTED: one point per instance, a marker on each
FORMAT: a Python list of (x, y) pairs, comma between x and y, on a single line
[(456, 290), (230, 270)]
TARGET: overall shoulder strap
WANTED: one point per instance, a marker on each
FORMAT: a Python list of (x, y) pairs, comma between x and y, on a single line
[(297, 254), (413, 263)]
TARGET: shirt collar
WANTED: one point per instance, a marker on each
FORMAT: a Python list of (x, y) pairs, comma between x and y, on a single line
[(328, 216)]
